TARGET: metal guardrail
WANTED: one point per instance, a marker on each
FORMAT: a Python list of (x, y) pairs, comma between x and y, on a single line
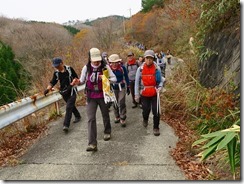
[(19, 109)]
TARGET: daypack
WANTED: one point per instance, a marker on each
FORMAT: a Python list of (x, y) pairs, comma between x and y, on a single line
[(93, 87), (131, 69), (69, 71), (149, 80), (68, 89), (120, 78)]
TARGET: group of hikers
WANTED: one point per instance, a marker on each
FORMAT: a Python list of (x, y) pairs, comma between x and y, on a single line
[(143, 79)]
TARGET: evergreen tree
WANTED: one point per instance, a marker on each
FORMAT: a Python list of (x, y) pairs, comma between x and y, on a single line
[(12, 78), (72, 30), (147, 5)]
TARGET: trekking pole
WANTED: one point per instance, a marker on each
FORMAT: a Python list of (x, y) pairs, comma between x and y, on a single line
[(158, 103)]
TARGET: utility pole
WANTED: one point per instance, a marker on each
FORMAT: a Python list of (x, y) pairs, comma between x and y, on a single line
[(124, 23), (131, 24)]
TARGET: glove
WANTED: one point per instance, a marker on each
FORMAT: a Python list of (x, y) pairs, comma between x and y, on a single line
[(158, 89), (128, 91), (137, 98), (46, 92)]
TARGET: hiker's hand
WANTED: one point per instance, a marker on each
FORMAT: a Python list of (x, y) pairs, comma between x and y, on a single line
[(137, 98), (75, 82), (46, 92), (158, 89), (128, 91)]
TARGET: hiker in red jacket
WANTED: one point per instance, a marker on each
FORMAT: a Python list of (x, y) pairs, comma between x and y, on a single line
[(148, 84)]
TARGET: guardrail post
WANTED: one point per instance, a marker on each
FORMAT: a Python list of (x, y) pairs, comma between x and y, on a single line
[(57, 108)]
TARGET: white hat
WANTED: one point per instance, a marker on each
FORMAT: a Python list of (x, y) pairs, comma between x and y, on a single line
[(95, 54), (149, 53), (114, 58)]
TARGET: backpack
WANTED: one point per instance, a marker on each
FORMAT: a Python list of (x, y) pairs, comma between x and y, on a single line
[(121, 77), (69, 71), (93, 88), (137, 64), (67, 89), (150, 80)]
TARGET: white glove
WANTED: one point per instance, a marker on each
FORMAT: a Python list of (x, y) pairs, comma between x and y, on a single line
[(158, 89), (137, 98)]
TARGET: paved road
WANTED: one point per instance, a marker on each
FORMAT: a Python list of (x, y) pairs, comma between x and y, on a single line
[(133, 153)]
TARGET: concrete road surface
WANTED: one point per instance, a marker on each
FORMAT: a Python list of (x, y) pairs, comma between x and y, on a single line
[(132, 154)]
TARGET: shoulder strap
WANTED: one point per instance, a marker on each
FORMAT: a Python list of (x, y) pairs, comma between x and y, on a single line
[(156, 67), (56, 73), (141, 67), (69, 70)]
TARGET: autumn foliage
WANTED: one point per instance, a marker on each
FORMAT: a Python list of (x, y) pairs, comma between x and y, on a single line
[(163, 26)]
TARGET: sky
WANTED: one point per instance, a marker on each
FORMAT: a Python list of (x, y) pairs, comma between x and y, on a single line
[(61, 11)]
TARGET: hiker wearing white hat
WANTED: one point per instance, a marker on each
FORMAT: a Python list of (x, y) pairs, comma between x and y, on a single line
[(121, 87), (91, 75)]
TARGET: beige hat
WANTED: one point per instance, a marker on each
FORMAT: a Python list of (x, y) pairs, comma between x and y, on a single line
[(149, 53), (95, 54), (114, 58)]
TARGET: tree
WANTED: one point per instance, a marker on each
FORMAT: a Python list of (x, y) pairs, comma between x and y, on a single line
[(72, 30), (12, 76), (147, 5), (34, 44), (106, 32)]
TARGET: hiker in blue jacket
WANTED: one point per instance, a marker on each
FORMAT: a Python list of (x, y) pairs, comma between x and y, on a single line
[(121, 87)]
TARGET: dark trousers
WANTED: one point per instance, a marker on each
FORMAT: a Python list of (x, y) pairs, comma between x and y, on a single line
[(149, 103), (91, 110), (163, 70), (132, 91), (70, 108)]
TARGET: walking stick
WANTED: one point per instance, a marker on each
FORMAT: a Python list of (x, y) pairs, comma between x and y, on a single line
[(158, 103)]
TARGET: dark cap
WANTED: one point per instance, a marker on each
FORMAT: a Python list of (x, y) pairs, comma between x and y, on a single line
[(130, 54), (56, 61)]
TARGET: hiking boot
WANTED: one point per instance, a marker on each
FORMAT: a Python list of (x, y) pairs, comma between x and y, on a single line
[(106, 137), (91, 147), (65, 128), (156, 131), (122, 122), (134, 106), (77, 119), (116, 120), (145, 123)]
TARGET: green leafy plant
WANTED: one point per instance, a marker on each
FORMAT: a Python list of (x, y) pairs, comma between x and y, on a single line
[(207, 54), (227, 139), (216, 15)]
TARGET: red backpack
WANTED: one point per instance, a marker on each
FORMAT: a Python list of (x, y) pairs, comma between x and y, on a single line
[(148, 78)]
